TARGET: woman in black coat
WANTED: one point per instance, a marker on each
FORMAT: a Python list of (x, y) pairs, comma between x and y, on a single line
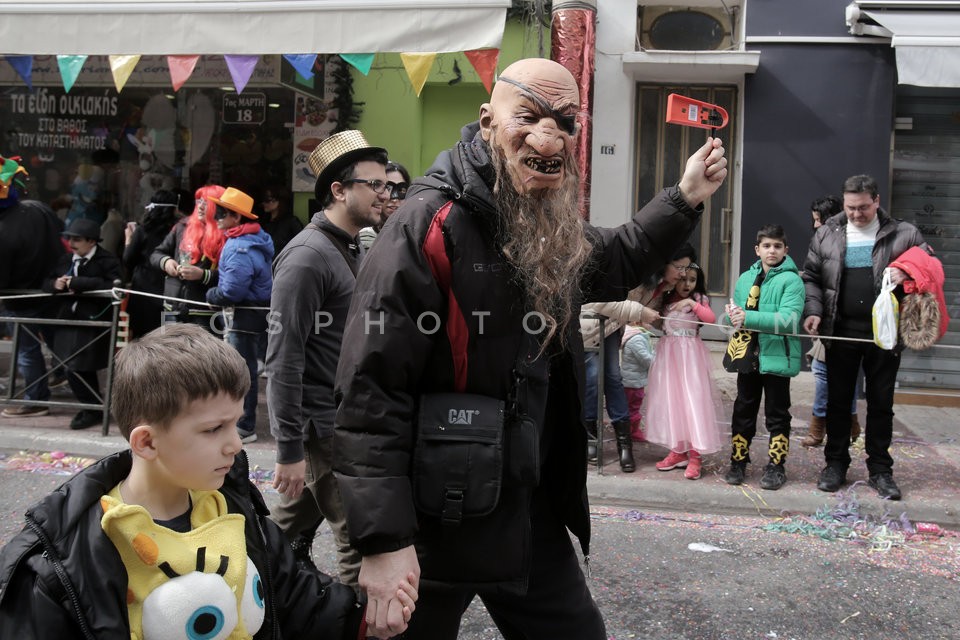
[(141, 240)]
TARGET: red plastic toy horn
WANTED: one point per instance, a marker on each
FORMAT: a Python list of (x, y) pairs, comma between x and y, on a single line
[(694, 113)]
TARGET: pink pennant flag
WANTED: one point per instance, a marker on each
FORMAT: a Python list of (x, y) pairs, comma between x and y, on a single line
[(181, 67), (484, 62), (241, 68)]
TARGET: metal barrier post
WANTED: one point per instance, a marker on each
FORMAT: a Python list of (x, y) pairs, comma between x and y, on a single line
[(110, 327)]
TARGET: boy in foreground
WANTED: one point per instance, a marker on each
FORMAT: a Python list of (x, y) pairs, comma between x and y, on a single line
[(168, 538), (767, 301)]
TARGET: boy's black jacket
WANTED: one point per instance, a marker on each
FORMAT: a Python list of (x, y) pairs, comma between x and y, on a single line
[(61, 577)]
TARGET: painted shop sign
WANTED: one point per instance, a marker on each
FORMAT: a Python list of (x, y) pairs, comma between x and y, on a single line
[(245, 108)]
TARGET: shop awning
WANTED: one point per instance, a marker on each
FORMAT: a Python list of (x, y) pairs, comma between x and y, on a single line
[(190, 27), (927, 41)]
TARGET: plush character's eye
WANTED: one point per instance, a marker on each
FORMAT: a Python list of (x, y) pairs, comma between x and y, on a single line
[(196, 606), (251, 603)]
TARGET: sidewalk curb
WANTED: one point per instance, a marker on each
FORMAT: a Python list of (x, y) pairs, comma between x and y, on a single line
[(707, 495)]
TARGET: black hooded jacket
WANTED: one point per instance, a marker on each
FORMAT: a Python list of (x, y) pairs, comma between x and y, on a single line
[(391, 354), (62, 577)]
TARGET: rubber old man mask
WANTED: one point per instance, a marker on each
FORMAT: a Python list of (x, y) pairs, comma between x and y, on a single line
[(531, 117)]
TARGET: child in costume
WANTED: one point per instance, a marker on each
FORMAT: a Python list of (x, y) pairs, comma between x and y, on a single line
[(767, 300), (635, 358), (682, 399), (169, 539)]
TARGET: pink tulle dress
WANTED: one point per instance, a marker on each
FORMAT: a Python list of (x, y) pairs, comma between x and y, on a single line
[(682, 401)]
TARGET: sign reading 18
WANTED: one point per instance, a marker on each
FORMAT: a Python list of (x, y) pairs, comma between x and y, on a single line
[(248, 108)]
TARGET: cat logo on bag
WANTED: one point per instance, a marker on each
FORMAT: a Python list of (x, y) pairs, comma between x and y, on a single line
[(462, 416)]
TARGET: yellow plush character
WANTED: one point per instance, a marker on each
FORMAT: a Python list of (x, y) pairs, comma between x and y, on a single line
[(198, 585)]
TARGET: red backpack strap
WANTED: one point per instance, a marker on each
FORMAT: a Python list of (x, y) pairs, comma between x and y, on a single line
[(435, 251)]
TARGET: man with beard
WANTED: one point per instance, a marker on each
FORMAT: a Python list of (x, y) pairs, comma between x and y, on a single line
[(471, 294), (313, 281)]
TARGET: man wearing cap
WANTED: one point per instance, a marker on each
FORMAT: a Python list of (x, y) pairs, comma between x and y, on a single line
[(245, 282), (85, 350), (471, 294), (29, 248), (314, 277)]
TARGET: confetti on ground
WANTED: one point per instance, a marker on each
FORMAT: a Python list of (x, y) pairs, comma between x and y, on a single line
[(53, 462)]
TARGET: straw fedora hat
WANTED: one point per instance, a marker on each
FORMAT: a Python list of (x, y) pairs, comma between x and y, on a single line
[(237, 201), (334, 154)]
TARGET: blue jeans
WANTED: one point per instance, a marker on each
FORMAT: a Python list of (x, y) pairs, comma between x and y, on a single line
[(30, 360), (820, 390), (613, 393), (246, 344)]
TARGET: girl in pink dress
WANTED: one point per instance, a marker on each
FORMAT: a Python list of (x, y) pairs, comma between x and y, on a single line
[(682, 399)]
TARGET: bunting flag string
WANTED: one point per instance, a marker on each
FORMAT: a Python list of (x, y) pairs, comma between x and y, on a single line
[(241, 69), (418, 68), (70, 67), (359, 61), (122, 67), (302, 63), (484, 62), (181, 67), (23, 65)]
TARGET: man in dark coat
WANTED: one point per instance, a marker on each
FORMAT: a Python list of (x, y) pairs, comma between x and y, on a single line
[(29, 248), (85, 350), (842, 275), (474, 287)]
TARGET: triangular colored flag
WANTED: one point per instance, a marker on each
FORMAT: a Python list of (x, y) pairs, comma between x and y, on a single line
[(418, 68), (122, 67), (23, 65), (302, 62), (70, 67), (241, 68), (359, 61), (484, 62), (181, 67)]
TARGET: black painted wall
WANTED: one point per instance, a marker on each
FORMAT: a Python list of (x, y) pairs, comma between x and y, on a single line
[(814, 114)]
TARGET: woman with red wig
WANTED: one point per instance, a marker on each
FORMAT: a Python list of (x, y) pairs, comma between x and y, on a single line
[(189, 255)]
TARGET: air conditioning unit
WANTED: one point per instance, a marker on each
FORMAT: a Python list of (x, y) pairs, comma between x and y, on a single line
[(684, 28)]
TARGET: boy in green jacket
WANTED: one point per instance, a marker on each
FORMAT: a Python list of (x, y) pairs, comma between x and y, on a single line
[(767, 302)]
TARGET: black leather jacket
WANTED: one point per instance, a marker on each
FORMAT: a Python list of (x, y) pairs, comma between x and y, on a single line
[(61, 577)]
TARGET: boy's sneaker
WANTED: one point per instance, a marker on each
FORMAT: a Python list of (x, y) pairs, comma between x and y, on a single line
[(25, 411), (774, 477), (736, 474), (673, 460), (246, 437)]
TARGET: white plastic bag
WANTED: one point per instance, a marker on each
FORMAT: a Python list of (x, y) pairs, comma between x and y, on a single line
[(886, 314)]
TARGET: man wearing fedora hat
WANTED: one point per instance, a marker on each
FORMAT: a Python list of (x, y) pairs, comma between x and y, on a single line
[(469, 301), (314, 278), (245, 282), (89, 268)]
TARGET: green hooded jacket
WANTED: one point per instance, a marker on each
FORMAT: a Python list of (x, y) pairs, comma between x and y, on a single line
[(779, 311)]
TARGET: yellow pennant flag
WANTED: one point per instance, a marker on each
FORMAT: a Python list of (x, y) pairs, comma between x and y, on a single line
[(418, 68), (122, 67)]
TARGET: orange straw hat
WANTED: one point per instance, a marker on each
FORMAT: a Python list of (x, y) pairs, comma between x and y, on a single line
[(237, 201)]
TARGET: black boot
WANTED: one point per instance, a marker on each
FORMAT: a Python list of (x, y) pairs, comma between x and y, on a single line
[(624, 446), (591, 443)]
